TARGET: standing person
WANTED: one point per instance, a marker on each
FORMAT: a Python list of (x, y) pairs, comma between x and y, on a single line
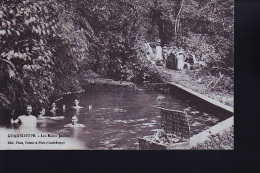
[(42, 120), (27, 120), (189, 61), (165, 54), (54, 112), (53, 107), (180, 60), (159, 51), (170, 61), (76, 104)]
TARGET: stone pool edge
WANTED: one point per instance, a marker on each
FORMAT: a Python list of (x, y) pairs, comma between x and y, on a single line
[(204, 136), (202, 97)]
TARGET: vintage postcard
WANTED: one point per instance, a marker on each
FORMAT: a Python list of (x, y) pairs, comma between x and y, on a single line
[(117, 75)]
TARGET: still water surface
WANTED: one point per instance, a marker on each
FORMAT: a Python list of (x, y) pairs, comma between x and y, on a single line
[(118, 118)]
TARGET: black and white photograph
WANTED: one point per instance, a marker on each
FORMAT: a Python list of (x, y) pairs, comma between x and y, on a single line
[(117, 75)]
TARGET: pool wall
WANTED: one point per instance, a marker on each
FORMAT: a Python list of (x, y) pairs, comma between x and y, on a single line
[(225, 113), (214, 130), (201, 101)]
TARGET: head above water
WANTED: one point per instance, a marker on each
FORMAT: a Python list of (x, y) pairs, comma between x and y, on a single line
[(42, 111), (76, 102), (158, 42), (53, 105), (74, 119), (29, 109), (181, 51)]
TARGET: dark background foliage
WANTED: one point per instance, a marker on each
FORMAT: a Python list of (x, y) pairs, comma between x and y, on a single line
[(51, 47)]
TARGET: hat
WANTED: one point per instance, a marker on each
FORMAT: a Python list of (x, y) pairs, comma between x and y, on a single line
[(159, 41)]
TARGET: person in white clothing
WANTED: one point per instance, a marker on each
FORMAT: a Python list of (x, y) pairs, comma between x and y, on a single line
[(180, 60), (159, 52), (159, 56), (26, 120)]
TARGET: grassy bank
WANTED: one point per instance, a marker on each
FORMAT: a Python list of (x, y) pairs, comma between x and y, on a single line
[(202, 84), (220, 141)]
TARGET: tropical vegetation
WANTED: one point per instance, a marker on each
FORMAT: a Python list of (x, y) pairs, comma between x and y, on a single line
[(49, 47)]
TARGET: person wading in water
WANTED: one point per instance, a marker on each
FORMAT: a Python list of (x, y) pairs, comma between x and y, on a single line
[(27, 120)]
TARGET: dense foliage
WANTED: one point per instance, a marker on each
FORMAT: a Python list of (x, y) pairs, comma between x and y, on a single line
[(28, 36), (208, 31), (54, 46)]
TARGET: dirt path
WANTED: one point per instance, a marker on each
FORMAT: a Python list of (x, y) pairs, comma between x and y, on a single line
[(187, 80)]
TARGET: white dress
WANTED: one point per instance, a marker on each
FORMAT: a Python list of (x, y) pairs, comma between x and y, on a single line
[(180, 62), (159, 53)]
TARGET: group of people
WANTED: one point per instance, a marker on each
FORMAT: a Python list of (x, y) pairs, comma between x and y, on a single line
[(158, 59), (173, 59), (29, 120)]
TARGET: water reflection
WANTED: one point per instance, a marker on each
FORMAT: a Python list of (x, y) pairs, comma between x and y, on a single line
[(77, 112)]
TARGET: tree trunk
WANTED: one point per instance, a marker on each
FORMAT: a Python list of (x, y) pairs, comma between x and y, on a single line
[(177, 21)]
